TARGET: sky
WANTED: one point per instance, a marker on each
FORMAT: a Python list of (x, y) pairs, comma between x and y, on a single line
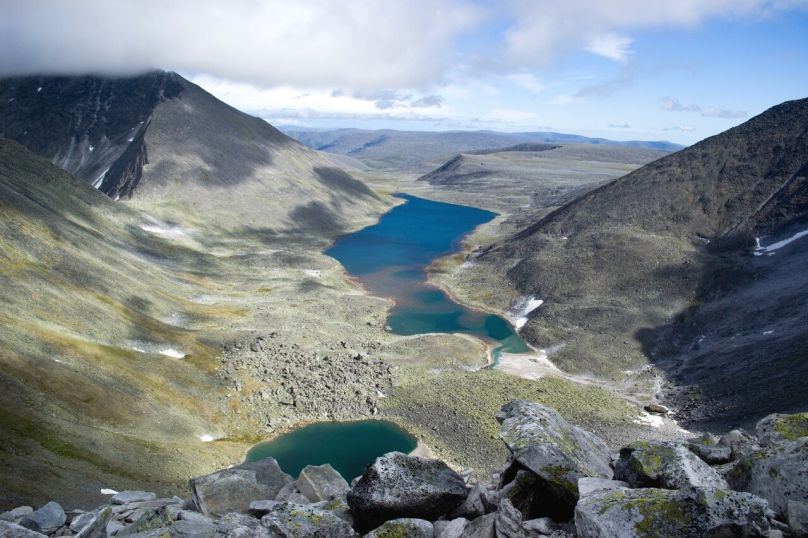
[(678, 70)]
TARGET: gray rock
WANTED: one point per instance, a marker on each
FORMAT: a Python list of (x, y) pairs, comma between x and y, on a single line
[(12, 530), (236, 525), (232, 490), (524, 492), (131, 496), (339, 507), (779, 428), (403, 528), (149, 520), (450, 529), (779, 473), (114, 527), (321, 483), (542, 526), (739, 442), (662, 513), (196, 517), (797, 514), (304, 520), (589, 485), (554, 450), (16, 514), (193, 529), (97, 526), (659, 409), (667, 465), (473, 507), (707, 448), (397, 486), (482, 527), (508, 523), (261, 508), (82, 520), (46, 519)]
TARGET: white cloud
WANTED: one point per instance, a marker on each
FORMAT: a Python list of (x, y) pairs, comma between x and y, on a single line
[(613, 46), (673, 105), (682, 128), (528, 82), (513, 115), (619, 126), (713, 112), (317, 43)]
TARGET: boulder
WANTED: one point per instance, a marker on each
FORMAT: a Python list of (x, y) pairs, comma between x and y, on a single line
[(397, 485), (232, 490), (97, 526), (473, 507), (15, 515), (779, 428), (156, 518), (450, 529), (482, 527), (339, 507), (541, 526), (193, 529), (670, 465), (778, 473), (403, 528), (739, 442), (556, 451), (659, 409), (236, 525), (12, 530), (508, 523), (132, 496), (707, 448), (588, 485), (45, 520), (261, 508), (290, 520), (321, 483), (663, 513), (797, 514), (82, 520)]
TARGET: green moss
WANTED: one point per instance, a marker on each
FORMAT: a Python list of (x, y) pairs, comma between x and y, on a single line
[(792, 427), (395, 529), (562, 477)]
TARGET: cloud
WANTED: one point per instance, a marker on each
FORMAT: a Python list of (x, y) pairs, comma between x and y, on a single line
[(673, 105), (682, 128), (528, 82), (318, 43), (546, 28), (428, 101), (613, 46), (619, 126)]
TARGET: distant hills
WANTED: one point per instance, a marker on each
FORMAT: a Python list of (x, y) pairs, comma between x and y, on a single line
[(160, 140), (660, 263), (421, 151)]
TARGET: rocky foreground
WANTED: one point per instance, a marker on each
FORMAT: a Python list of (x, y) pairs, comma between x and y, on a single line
[(559, 481)]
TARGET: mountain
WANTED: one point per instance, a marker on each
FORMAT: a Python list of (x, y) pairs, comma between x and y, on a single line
[(166, 144), (660, 266), (421, 151)]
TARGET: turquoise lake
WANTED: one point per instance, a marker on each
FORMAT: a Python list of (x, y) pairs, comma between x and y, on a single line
[(347, 446), (390, 259)]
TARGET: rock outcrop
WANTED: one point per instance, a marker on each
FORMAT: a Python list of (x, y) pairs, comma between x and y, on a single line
[(665, 491)]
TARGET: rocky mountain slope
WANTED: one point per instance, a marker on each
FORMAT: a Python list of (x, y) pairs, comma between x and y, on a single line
[(660, 266), (168, 145), (419, 151), (559, 480)]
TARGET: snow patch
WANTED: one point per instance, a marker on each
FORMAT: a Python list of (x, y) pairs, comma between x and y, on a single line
[(760, 250), (522, 309), (312, 273), (170, 352), (131, 140), (206, 438), (167, 230), (92, 147), (467, 265), (99, 179), (767, 333), (39, 89), (107, 491), (380, 394), (150, 347), (648, 419)]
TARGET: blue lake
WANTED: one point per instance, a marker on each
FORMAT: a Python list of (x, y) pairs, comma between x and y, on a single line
[(390, 259)]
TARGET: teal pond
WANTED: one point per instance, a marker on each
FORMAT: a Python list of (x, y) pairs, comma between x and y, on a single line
[(347, 446)]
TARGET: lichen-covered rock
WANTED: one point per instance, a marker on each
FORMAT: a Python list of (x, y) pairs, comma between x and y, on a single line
[(450, 529), (290, 520), (662, 513), (739, 442), (46, 519), (132, 496), (152, 519), (670, 465), (707, 448), (473, 507), (508, 523), (232, 490), (15, 515), (97, 526), (778, 428), (338, 506), (554, 450), (236, 525), (589, 485), (403, 528), (12, 530), (193, 529), (482, 527), (525, 493), (778, 472), (397, 486), (321, 483)]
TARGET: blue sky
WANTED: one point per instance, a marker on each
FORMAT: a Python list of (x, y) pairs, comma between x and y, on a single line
[(680, 70)]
